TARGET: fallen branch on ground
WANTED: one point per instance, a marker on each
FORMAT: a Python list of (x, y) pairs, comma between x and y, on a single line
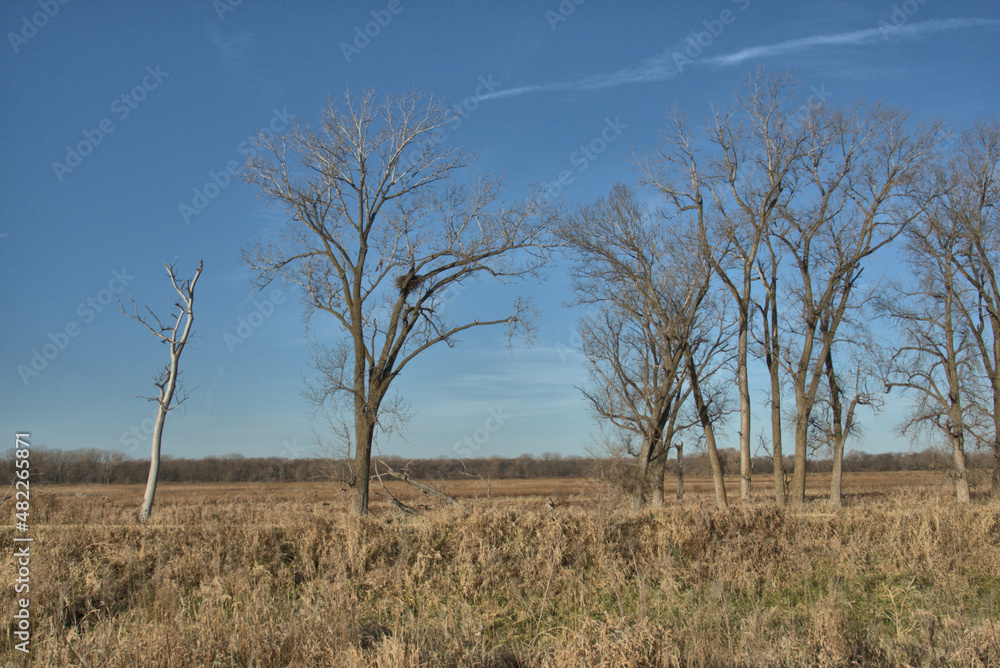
[(426, 489)]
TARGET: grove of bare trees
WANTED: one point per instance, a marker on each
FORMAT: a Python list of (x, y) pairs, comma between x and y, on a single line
[(773, 239), (833, 253)]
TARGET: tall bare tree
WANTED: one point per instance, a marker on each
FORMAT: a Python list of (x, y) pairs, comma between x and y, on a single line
[(738, 174), (972, 201), (650, 289), (383, 222), (852, 380), (175, 332), (858, 189), (936, 361), (768, 269)]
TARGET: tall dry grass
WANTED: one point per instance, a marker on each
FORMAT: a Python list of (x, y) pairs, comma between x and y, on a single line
[(905, 579)]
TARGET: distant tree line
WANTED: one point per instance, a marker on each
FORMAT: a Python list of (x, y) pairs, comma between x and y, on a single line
[(94, 466)]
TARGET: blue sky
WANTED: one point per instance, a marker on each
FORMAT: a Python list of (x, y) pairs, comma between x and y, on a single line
[(122, 120)]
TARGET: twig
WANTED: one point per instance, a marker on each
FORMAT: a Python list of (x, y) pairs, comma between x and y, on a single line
[(83, 664), (545, 596), (489, 483)]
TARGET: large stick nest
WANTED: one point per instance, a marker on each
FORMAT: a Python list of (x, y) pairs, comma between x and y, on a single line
[(407, 283)]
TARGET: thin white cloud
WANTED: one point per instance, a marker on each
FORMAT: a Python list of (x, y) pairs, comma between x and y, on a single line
[(233, 48), (236, 50), (854, 38), (664, 67)]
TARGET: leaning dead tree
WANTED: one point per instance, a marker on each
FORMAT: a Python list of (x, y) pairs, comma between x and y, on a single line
[(174, 331), (385, 225)]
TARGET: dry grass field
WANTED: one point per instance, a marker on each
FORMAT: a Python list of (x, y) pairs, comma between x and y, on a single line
[(278, 575)]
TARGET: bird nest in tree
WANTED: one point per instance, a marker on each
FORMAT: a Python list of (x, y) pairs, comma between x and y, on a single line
[(407, 283)]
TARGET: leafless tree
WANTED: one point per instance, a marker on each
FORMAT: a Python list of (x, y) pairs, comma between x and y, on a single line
[(385, 223), (771, 347), (649, 288), (738, 174), (857, 190), (175, 332), (972, 202), (791, 200), (852, 380)]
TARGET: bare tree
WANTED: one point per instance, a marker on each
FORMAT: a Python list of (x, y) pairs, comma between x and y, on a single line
[(650, 290), (382, 228), (972, 202), (857, 191), (632, 389), (174, 331), (768, 269), (738, 179), (852, 380)]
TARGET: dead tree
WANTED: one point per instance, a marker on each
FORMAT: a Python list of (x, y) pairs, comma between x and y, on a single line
[(174, 331)]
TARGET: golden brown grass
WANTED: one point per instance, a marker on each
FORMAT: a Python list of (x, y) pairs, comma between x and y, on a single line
[(279, 576)]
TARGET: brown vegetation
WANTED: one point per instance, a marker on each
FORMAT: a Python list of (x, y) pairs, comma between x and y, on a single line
[(278, 575)]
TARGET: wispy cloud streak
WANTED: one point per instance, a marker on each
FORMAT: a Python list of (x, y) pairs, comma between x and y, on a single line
[(663, 68)]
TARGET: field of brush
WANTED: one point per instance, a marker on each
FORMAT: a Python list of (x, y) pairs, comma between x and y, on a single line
[(279, 575)]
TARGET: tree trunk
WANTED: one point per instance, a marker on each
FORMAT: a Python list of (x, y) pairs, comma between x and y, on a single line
[(154, 466), (802, 414), (774, 369), (706, 423), (839, 433), (163, 403), (744, 390), (364, 435), (837, 477), (995, 487), (777, 456), (680, 471), (656, 500), (958, 464)]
